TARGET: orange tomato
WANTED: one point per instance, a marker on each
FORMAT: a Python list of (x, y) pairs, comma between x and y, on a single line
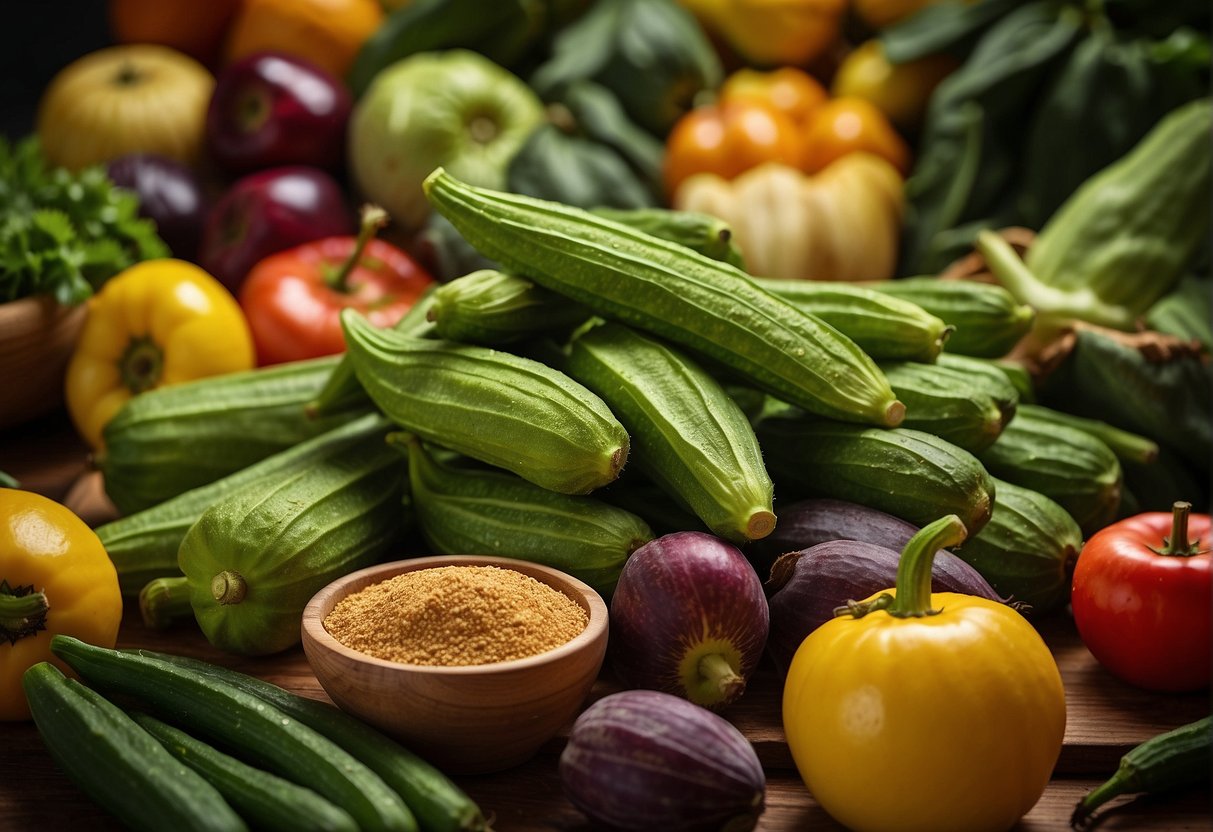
[(728, 138), (847, 124), (792, 91), (189, 26), (328, 33)]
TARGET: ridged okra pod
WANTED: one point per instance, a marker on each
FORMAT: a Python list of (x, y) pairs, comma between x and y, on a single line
[(671, 291), (946, 402), (688, 435), (491, 308), (499, 408)]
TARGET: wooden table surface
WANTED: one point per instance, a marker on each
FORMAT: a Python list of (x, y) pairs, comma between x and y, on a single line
[(1105, 718)]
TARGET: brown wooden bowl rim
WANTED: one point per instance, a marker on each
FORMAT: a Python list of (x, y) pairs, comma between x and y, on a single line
[(595, 628)]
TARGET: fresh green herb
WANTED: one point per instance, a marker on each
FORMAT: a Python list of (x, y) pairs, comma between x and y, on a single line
[(64, 234)]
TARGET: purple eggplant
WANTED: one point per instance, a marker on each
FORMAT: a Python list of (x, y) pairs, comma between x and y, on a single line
[(807, 586), (170, 194), (644, 760), (688, 617)]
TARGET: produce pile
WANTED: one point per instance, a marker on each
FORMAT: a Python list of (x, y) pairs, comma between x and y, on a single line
[(844, 337)]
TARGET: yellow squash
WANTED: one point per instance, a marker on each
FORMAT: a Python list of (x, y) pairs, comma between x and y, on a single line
[(918, 712), (55, 577), (159, 322)]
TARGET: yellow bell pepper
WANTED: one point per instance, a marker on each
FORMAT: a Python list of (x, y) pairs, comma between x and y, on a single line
[(159, 322), (772, 32), (904, 717), (55, 577)]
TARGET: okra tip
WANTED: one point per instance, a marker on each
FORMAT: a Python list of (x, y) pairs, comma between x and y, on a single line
[(894, 413), (428, 183)]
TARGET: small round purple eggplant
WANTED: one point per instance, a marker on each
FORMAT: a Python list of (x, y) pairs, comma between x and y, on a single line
[(643, 760), (170, 194), (688, 617), (808, 586)]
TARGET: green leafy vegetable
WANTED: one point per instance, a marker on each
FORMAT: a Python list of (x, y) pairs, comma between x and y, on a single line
[(64, 234)]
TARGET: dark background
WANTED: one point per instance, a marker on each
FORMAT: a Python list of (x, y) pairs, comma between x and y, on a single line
[(37, 39)]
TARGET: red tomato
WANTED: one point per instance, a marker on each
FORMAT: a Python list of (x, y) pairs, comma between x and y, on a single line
[(1142, 614), (293, 299)]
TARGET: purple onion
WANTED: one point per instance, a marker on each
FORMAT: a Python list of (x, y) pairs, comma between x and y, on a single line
[(807, 587), (170, 194), (688, 617), (645, 760)]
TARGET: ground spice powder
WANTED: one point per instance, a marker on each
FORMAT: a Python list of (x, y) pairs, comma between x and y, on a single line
[(456, 615)]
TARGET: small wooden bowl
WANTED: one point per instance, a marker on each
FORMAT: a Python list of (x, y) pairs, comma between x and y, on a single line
[(469, 719), (37, 337)]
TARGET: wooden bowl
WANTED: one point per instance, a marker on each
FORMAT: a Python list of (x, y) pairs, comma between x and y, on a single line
[(469, 719), (37, 336)]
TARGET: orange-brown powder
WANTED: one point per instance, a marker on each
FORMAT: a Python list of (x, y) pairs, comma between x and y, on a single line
[(456, 615)]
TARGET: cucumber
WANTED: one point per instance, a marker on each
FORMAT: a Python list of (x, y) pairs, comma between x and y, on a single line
[(1028, 549), (116, 763), (499, 408), (885, 327), (250, 728), (1166, 762), (675, 293), (172, 439), (945, 402), (688, 435), (265, 800), (988, 320), (907, 473), (1067, 465), (143, 546), (461, 509), (490, 307), (254, 559), (438, 803)]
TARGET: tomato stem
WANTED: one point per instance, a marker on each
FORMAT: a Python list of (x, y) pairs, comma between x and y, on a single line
[(1178, 545), (22, 612), (372, 219)]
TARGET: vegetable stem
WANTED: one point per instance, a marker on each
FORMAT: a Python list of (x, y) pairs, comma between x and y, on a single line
[(141, 365), (373, 218), (914, 569), (1178, 545), (716, 669), (22, 612), (165, 601), (228, 587)]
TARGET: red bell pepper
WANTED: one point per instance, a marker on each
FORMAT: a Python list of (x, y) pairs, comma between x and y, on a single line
[(293, 299), (1141, 597)]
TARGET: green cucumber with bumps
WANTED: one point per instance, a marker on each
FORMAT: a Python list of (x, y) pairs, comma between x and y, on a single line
[(242, 723), (688, 435), (463, 509), (988, 320), (944, 402), (907, 473), (493, 406), (491, 307), (1066, 464), (143, 546), (169, 440), (118, 764), (266, 800), (885, 327), (667, 289), (1027, 550)]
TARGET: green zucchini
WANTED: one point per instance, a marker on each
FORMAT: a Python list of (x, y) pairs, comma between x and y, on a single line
[(440, 805), (988, 320), (1128, 447), (1173, 760), (1028, 549), (247, 726), (463, 509), (266, 800), (116, 763), (254, 559), (166, 441), (887, 328), (710, 236), (143, 546), (491, 307), (675, 293), (1067, 465), (499, 408), (945, 402), (688, 435), (907, 473), (341, 390)]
